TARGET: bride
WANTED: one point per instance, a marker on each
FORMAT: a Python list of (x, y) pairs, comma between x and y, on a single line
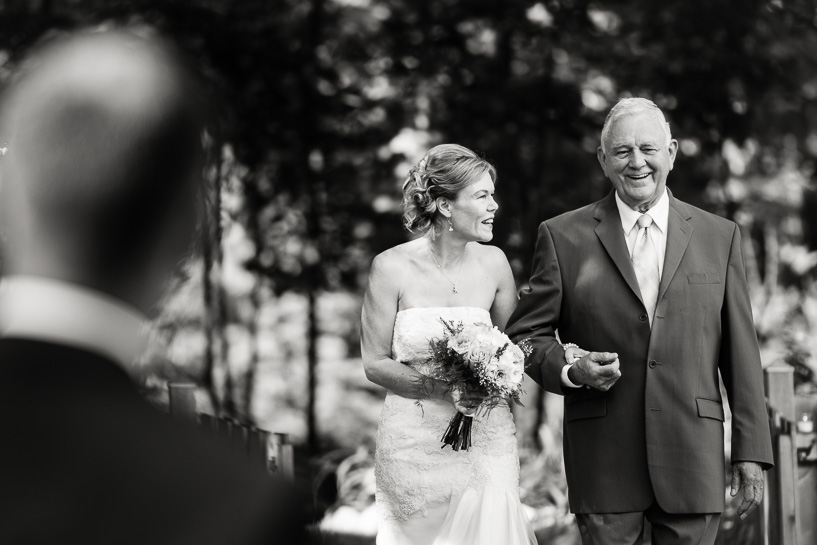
[(427, 494)]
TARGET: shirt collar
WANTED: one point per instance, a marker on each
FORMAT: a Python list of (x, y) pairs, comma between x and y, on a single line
[(659, 213), (62, 313)]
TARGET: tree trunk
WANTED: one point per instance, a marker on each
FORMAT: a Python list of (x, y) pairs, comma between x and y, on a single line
[(207, 379), (314, 198), (312, 363), (219, 294), (252, 364), (211, 281), (228, 405), (253, 203)]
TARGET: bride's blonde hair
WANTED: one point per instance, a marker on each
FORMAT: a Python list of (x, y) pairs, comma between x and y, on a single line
[(443, 172)]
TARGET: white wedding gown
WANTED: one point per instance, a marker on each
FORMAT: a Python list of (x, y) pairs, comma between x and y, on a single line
[(427, 495)]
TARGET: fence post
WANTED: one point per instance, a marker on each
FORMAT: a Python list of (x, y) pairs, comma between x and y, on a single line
[(257, 447), (284, 456), (252, 443), (209, 423), (182, 400), (781, 489)]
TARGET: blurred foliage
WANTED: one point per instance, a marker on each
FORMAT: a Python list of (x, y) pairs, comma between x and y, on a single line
[(320, 107)]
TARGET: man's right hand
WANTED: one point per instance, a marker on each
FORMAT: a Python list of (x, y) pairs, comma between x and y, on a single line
[(599, 370)]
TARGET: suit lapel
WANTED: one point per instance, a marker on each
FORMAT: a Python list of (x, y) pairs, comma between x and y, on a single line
[(679, 231), (611, 236)]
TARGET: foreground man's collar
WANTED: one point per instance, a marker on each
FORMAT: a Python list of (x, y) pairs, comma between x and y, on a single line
[(53, 311)]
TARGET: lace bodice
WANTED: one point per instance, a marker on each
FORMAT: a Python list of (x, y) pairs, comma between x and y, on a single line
[(415, 327), (412, 469)]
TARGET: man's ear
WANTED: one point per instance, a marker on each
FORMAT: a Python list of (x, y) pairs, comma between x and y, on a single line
[(673, 151), (602, 157)]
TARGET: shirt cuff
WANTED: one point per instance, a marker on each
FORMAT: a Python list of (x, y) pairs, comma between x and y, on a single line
[(565, 380)]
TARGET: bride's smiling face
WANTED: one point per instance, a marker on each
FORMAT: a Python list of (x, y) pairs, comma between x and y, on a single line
[(473, 211)]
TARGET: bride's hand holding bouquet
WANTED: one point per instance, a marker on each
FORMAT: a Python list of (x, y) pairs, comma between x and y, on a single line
[(466, 402), (479, 368)]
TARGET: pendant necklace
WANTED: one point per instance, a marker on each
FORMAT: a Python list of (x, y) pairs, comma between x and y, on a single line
[(440, 267)]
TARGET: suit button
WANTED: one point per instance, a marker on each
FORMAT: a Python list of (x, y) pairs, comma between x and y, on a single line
[(652, 364), (643, 317)]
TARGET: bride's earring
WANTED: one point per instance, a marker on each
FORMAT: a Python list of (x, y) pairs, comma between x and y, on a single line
[(450, 225)]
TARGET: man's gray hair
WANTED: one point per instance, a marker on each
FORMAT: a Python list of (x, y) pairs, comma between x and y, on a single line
[(630, 106)]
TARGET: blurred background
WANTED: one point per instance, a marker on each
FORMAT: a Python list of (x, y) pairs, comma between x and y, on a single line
[(323, 105)]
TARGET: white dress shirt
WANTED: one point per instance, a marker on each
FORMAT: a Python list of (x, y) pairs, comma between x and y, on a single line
[(61, 313), (660, 217)]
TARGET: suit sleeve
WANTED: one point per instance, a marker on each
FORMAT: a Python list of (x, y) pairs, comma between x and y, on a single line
[(537, 316), (741, 368)]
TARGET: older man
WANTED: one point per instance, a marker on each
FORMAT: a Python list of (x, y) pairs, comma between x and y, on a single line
[(660, 286)]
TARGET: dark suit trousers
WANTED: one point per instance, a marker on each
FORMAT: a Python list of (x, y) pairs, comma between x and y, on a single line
[(667, 529)]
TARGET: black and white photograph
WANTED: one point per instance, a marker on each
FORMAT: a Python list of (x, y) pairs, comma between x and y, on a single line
[(408, 272)]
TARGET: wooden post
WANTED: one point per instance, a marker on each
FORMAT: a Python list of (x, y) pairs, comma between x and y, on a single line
[(288, 462), (182, 400), (257, 447), (239, 438), (252, 443), (781, 489), (284, 456), (209, 424), (223, 427)]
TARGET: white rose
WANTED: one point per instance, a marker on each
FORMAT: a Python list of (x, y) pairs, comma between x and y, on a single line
[(509, 361), (497, 338), (478, 353), (460, 344), (517, 375)]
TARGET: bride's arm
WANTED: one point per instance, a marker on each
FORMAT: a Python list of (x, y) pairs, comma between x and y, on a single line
[(506, 298), (377, 327)]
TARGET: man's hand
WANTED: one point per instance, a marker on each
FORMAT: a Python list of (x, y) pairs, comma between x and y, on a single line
[(749, 476), (599, 370)]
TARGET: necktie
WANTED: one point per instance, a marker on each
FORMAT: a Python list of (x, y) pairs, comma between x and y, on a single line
[(645, 265)]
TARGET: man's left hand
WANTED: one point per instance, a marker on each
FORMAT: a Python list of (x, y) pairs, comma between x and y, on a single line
[(749, 476)]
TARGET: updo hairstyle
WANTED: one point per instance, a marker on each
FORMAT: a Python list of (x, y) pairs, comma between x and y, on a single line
[(443, 172)]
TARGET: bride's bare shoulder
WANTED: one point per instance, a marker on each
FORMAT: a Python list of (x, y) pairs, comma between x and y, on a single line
[(493, 261), (491, 256), (397, 260)]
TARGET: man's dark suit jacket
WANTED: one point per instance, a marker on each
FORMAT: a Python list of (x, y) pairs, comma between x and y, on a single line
[(657, 434), (84, 459)]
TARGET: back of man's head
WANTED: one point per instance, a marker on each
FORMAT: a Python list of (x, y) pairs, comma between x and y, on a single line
[(98, 183)]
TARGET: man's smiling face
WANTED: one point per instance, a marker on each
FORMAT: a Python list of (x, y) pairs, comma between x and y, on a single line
[(636, 157)]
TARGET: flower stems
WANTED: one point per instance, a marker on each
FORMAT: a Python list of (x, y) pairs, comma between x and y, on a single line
[(458, 434)]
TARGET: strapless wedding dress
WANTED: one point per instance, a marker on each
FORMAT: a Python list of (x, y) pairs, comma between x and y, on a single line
[(427, 495)]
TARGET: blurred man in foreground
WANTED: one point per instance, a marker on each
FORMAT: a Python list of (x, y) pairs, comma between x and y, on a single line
[(97, 203)]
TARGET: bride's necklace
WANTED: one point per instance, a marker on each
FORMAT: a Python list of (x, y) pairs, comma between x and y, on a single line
[(440, 267)]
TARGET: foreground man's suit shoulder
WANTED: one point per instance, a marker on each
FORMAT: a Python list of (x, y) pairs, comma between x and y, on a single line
[(657, 435), (85, 459)]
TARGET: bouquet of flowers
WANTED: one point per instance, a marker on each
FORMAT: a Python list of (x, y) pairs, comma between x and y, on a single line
[(480, 359)]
